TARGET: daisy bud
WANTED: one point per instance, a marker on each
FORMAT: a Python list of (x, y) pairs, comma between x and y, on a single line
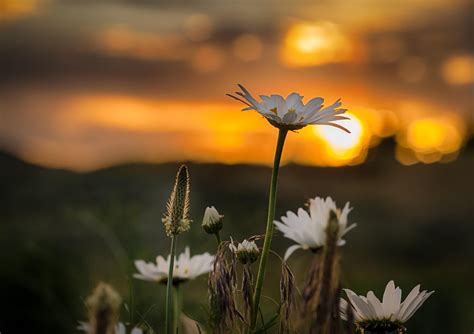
[(212, 221), (104, 307), (176, 219), (246, 252)]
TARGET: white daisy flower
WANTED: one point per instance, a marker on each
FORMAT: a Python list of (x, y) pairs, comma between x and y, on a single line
[(185, 267), (389, 315), (246, 251), (308, 229), (291, 113), (119, 329)]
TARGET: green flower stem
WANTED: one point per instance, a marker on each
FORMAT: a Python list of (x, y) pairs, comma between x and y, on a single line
[(169, 288), (218, 238), (177, 304), (269, 230)]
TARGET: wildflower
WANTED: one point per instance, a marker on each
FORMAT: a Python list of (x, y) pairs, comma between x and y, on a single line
[(390, 314), (104, 307), (185, 268), (246, 251), (212, 221), (309, 230), (291, 113), (119, 328), (176, 219)]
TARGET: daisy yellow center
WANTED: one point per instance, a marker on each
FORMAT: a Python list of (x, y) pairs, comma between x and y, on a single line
[(274, 110), (291, 110)]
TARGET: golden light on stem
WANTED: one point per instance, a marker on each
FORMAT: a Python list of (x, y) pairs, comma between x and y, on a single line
[(310, 44)]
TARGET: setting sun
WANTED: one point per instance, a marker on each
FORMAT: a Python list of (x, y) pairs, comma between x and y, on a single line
[(342, 148)]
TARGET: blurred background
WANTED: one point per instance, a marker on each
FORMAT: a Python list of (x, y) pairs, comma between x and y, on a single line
[(101, 100)]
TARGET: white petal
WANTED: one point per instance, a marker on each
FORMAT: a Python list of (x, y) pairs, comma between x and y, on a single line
[(359, 305), (417, 303), (376, 304), (120, 329), (389, 300), (290, 251), (408, 300)]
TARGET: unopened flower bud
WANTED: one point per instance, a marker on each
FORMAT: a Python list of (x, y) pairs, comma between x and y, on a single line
[(246, 252), (212, 221)]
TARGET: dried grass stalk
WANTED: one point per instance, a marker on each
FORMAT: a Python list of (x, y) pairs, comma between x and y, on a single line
[(329, 285), (288, 298), (247, 291), (310, 288), (222, 284)]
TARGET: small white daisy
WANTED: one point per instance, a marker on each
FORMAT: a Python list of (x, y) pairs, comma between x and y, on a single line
[(185, 267), (389, 315), (291, 113), (246, 251), (308, 229)]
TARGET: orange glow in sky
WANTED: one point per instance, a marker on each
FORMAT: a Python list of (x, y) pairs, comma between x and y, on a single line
[(102, 130), (310, 44), (13, 9)]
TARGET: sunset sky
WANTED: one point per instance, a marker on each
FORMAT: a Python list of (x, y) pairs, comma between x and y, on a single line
[(89, 84)]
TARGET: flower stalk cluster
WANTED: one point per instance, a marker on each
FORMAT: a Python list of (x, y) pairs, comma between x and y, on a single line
[(234, 296)]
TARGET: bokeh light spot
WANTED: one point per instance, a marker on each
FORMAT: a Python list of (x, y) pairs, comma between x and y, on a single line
[(310, 44), (247, 47), (458, 70)]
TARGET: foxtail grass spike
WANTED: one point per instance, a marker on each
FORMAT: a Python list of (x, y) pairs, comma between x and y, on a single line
[(104, 307), (176, 219)]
